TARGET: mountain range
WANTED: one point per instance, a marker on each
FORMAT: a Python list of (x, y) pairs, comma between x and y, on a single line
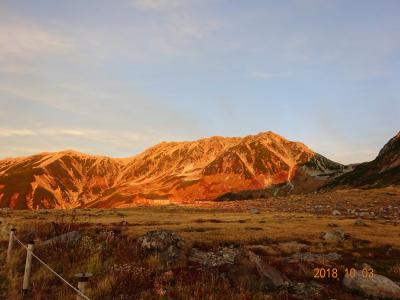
[(182, 172)]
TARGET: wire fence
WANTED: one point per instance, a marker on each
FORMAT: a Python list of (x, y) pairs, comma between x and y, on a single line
[(80, 293)]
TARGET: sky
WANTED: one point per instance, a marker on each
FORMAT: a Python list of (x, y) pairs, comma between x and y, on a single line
[(115, 77)]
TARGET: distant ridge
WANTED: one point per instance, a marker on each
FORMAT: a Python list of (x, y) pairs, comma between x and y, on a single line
[(169, 171)]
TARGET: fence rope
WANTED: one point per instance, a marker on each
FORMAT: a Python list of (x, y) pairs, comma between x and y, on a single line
[(52, 271)]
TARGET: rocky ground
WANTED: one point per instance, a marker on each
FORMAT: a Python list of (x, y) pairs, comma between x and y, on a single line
[(297, 247)]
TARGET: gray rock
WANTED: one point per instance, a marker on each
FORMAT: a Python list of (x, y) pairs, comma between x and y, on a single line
[(291, 247), (69, 237), (307, 290), (360, 222), (251, 271), (363, 214), (334, 236), (167, 244), (315, 257), (254, 211), (377, 286), (224, 256), (263, 250)]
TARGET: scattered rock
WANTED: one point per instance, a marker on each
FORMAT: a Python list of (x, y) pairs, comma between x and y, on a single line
[(315, 257), (254, 211), (263, 250), (123, 223), (363, 214), (335, 212), (224, 256), (377, 286), (307, 290), (69, 237), (166, 243), (334, 236), (360, 222), (291, 247), (251, 271)]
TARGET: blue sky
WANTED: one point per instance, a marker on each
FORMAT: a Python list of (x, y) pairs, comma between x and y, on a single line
[(114, 77)]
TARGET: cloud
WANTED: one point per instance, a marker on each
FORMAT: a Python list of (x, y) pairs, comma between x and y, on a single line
[(22, 44), (93, 134), (157, 4), (7, 132), (264, 75), (22, 41), (95, 141)]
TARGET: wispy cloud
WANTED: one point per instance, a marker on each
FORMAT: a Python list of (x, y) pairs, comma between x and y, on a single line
[(264, 75), (157, 4), (27, 40), (21, 44), (92, 134), (96, 141)]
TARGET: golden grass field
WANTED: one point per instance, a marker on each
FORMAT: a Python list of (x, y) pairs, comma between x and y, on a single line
[(209, 222), (209, 225)]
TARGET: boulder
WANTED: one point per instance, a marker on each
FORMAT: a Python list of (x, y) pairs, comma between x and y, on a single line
[(254, 211), (364, 214), (167, 244), (360, 222), (377, 286), (315, 257), (250, 271), (334, 236), (224, 256), (308, 290), (335, 212), (263, 250), (291, 247), (69, 237)]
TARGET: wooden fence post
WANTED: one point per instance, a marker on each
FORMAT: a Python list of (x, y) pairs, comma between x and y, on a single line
[(83, 279), (10, 245), (28, 265)]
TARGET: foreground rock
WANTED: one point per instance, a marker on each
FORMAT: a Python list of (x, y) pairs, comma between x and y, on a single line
[(263, 250), (291, 247), (69, 237), (250, 271), (165, 243), (378, 286), (315, 257), (254, 211), (308, 290), (224, 256), (360, 222), (333, 236)]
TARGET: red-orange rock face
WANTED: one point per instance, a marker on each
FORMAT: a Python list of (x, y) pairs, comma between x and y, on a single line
[(173, 171)]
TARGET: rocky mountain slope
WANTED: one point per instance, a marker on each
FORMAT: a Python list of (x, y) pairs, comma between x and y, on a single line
[(384, 170), (169, 171), (55, 180)]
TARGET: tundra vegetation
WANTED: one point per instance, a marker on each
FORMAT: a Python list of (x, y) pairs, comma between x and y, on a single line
[(278, 242)]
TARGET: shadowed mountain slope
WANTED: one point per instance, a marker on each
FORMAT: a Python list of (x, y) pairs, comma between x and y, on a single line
[(384, 170)]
